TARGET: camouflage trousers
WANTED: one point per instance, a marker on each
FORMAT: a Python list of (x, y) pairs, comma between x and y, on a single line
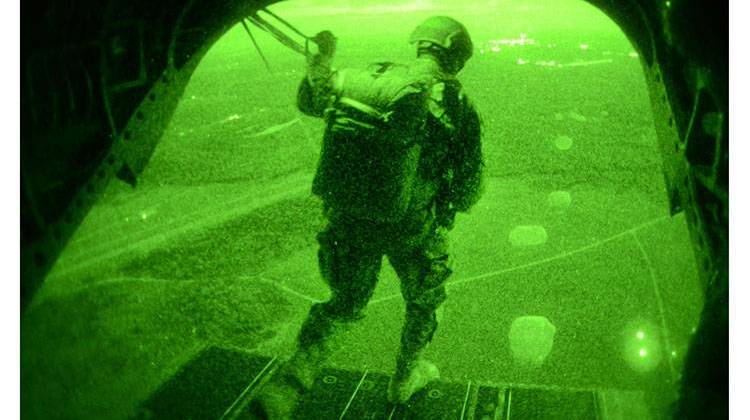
[(350, 258)]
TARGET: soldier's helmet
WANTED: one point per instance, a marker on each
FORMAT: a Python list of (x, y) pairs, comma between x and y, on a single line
[(447, 35)]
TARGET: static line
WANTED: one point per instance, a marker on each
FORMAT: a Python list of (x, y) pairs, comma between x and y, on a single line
[(247, 388), (539, 262), (255, 43), (660, 305), (354, 394), (466, 400)]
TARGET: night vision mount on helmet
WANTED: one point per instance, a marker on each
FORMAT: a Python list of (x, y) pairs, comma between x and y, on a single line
[(447, 34)]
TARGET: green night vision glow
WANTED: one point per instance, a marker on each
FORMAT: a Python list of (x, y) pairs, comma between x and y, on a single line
[(569, 273)]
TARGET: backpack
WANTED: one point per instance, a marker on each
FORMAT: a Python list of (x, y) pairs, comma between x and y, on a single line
[(372, 142)]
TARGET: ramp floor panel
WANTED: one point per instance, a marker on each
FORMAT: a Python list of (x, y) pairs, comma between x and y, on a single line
[(219, 383), (544, 404), (371, 401), (331, 393), (206, 386)]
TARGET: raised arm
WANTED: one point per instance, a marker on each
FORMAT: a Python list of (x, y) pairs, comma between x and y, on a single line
[(316, 88)]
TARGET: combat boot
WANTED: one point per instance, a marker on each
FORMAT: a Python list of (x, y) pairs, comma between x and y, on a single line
[(278, 398), (410, 378)]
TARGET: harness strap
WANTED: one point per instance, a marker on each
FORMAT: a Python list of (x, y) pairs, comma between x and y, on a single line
[(364, 108)]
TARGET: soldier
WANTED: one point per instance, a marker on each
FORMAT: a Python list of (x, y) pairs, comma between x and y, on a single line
[(401, 155)]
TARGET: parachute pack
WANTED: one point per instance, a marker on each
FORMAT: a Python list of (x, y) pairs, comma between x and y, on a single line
[(372, 144)]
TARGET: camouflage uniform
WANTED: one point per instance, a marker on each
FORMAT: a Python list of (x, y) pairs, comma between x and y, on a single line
[(351, 249)]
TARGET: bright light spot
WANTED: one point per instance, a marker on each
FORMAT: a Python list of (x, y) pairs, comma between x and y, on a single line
[(693, 330), (668, 4), (531, 339), (495, 48), (233, 117), (143, 216), (551, 63), (674, 354), (641, 349), (528, 235), (633, 54), (559, 200), (481, 51), (580, 63), (521, 61), (192, 97), (576, 116), (584, 46), (563, 142), (512, 42)]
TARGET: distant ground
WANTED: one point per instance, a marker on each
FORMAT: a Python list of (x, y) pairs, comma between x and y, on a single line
[(217, 244)]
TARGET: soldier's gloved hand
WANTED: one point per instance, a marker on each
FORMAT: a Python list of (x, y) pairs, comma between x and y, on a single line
[(326, 43)]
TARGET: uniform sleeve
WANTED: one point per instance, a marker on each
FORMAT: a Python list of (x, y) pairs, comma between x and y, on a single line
[(315, 90), (467, 161)]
